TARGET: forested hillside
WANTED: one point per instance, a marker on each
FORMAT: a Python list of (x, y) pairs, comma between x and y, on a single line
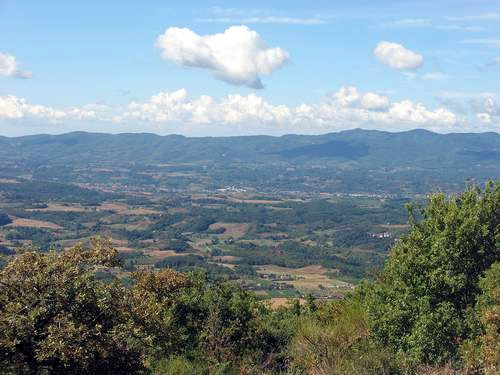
[(351, 161)]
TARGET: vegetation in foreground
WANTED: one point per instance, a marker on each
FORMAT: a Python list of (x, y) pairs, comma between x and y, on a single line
[(433, 309)]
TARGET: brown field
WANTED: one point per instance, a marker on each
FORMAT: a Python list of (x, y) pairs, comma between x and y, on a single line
[(124, 249), (112, 207), (235, 230), (307, 278), (18, 222), (59, 207), (162, 254), (282, 301), (139, 211)]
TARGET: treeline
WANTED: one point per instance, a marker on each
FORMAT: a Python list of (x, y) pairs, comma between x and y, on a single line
[(42, 191)]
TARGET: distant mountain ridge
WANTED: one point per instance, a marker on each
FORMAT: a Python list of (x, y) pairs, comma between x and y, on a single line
[(364, 147)]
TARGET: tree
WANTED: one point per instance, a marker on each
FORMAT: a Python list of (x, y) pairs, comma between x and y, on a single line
[(56, 318), (422, 303), (483, 352)]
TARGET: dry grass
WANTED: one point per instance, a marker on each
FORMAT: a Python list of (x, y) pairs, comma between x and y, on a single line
[(18, 222), (278, 302), (139, 211), (443, 370), (124, 249), (234, 230), (162, 254), (308, 278)]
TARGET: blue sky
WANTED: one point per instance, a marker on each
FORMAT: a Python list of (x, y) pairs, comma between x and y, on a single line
[(230, 68)]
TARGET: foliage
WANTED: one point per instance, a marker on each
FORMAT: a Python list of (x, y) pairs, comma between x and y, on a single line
[(422, 304), (337, 341), (56, 318), (483, 352)]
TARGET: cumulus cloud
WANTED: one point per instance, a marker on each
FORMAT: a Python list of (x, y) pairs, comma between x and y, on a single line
[(13, 107), (343, 109), (484, 118), (9, 68), (176, 111), (397, 56), (237, 56), (177, 107), (483, 106), (350, 97)]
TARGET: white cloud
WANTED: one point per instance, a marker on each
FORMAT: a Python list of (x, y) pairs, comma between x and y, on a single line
[(176, 107), (350, 97), (237, 56), (9, 68), (484, 118), (435, 76), (397, 56), (168, 112), (482, 106), (13, 107), (344, 109)]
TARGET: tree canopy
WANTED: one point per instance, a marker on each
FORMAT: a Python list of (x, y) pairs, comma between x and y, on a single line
[(422, 303)]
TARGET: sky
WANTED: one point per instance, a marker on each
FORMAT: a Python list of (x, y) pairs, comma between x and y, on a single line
[(224, 68)]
